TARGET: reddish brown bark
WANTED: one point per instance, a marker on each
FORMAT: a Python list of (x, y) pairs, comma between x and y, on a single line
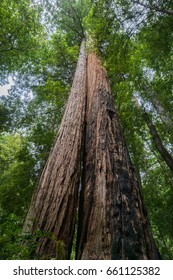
[(53, 207), (111, 213)]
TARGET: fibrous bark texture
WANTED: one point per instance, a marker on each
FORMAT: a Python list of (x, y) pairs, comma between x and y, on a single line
[(53, 206), (112, 217)]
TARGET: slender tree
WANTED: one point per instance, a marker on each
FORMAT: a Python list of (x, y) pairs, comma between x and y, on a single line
[(166, 156)]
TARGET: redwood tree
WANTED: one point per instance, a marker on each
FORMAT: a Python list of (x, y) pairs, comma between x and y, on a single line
[(53, 206), (112, 218)]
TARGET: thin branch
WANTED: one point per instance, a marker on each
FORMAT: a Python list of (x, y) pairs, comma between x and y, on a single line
[(156, 8)]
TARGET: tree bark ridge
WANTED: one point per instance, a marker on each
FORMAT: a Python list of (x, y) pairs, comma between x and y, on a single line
[(111, 212), (112, 220), (54, 204)]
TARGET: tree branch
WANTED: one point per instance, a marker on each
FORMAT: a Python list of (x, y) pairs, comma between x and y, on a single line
[(165, 11)]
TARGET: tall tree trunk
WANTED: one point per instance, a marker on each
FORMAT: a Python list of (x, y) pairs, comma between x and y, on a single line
[(166, 156), (53, 206), (158, 142), (111, 212)]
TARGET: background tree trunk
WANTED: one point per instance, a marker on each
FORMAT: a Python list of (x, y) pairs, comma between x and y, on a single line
[(166, 156), (53, 206), (111, 213)]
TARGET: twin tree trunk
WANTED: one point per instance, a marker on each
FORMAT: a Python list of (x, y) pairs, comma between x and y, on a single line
[(54, 204), (89, 173)]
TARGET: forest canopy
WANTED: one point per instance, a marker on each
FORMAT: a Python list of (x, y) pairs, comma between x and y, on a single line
[(39, 46)]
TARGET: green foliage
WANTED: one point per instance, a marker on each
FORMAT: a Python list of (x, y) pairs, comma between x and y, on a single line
[(17, 174), (159, 205), (10, 227), (20, 34), (13, 243)]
